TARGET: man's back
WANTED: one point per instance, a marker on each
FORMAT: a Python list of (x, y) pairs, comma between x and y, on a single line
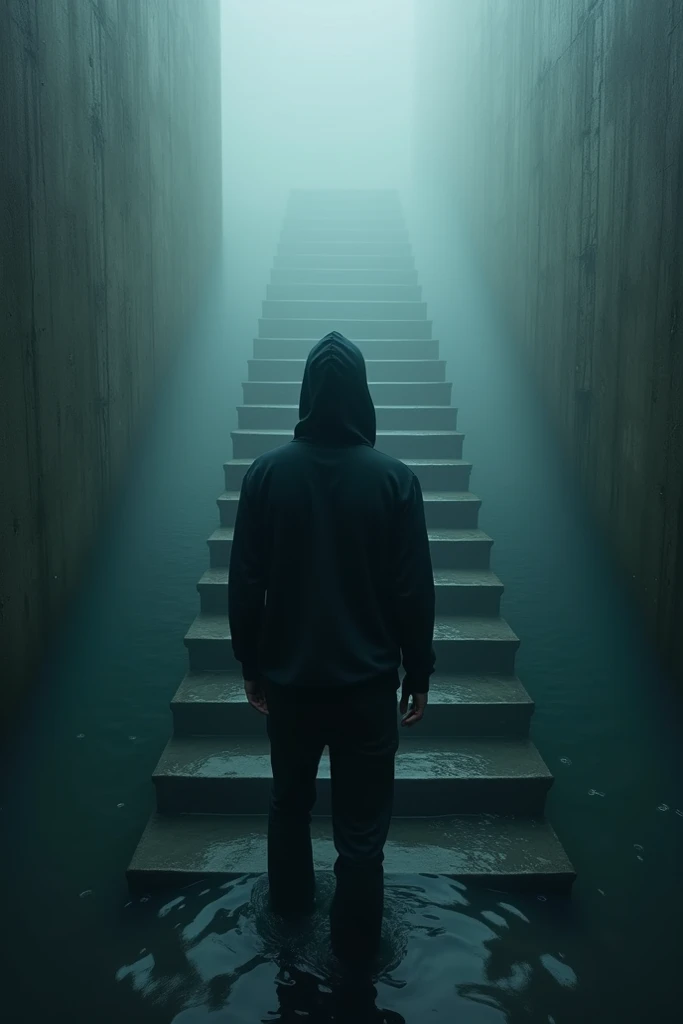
[(334, 531)]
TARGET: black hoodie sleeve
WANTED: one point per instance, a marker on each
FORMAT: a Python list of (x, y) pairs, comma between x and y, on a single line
[(246, 584), (414, 589)]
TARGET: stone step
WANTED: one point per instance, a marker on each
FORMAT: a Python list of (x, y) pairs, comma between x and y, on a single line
[(315, 329), (331, 248), (383, 393), (433, 474), (458, 592), (343, 309), (413, 370), (503, 853), (357, 292), (462, 643), (402, 444), (433, 775), (341, 275), (214, 704), (339, 261), (297, 233), (350, 221), (372, 348), (450, 549), (443, 509), (397, 417)]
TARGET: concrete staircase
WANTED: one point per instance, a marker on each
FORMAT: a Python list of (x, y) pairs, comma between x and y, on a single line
[(470, 785)]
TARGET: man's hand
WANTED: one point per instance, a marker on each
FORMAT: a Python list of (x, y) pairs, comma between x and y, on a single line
[(256, 696), (418, 703)]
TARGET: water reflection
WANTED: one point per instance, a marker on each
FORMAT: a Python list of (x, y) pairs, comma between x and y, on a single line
[(214, 953)]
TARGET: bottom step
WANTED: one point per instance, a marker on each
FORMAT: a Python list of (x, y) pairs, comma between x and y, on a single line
[(514, 853)]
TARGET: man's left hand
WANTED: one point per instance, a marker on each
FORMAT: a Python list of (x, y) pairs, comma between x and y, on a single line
[(256, 695)]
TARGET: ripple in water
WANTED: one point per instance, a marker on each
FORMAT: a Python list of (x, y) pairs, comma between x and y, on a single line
[(219, 954)]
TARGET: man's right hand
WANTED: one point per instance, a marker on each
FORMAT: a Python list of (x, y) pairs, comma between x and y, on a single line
[(418, 703)]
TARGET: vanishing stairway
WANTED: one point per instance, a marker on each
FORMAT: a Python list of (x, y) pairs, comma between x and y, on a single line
[(470, 785)]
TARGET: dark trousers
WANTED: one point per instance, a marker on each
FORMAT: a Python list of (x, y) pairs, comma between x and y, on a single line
[(359, 724)]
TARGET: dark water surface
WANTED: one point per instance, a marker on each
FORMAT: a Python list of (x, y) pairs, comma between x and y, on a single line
[(76, 787)]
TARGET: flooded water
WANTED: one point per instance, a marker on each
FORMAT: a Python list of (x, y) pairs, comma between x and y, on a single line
[(76, 788)]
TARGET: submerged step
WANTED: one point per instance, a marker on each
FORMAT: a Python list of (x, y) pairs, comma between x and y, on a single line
[(507, 853), (433, 775), (214, 704), (383, 393), (458, 592), (461, 643)]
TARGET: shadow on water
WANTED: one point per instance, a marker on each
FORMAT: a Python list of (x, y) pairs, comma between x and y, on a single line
[(76, 788)]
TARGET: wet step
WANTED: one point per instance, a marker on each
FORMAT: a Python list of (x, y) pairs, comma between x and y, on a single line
[(396, 417), (458, 592), (444, 444), (505, 853), (433, 775), (449, 549), (346, 309), (355, 292), (443, 509), (372, 348), (462, 643), (414, 370), (341, 261), (342, 275), (214, 704), (434, 474), (316, 328), (383, 393)]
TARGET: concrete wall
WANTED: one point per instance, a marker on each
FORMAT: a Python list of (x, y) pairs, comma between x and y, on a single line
[(553, 129), (110, 220)]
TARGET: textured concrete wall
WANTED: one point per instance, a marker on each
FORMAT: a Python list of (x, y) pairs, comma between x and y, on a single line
[(109, 221), (554, 128)]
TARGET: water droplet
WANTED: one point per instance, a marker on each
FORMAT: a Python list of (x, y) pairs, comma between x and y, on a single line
[(601, 891), (144, 899), (86, 892), (541, 899), (565, 760), (637, 846), (679, 813), (81, 736), (120, 805), (132, 737), (595, 792), (638, 857), (663, 807), (143, 950), (128, 904)]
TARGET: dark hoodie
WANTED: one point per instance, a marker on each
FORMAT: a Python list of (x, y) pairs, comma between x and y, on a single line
[(330, 572)]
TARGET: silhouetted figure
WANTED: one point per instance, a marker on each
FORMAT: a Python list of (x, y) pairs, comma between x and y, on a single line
[(330, 587)]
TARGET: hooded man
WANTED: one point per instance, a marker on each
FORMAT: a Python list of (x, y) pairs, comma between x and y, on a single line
[(330, 589)]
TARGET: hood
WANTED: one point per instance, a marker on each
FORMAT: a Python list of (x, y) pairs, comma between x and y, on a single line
[(335, 406)]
